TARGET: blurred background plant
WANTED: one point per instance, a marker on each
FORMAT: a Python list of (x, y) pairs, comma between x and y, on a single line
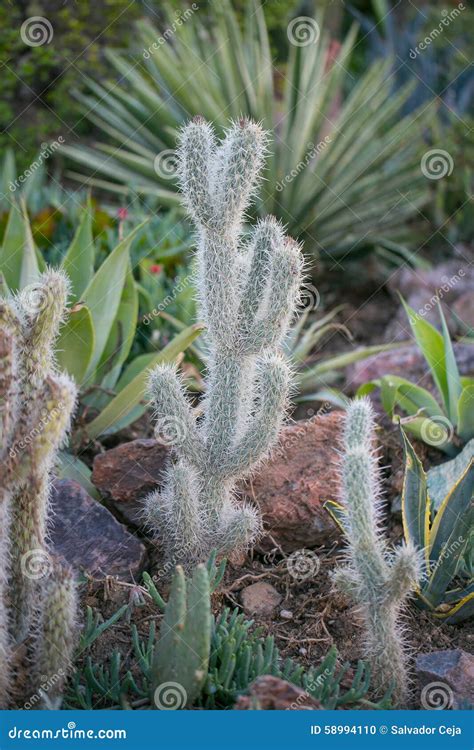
[(343, 171)]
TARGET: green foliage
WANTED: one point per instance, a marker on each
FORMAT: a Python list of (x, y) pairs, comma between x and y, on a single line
[(377, 583), (449, 425), (100, 326), (36, 80), (247, 294), (446, 536), (235, 654), (37, 591), (340, 179)]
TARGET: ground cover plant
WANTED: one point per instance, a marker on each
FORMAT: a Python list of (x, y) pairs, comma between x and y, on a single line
[(236, 359)]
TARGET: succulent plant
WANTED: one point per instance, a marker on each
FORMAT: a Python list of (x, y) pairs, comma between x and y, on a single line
[(377, 581), (36, 403), (247, 295)]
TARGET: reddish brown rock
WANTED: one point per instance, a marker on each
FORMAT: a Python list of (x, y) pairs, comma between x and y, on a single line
[(406, 362), (89, 537), (292, 487), (127, 473), (269, 693), (446, 679), (260, 599)]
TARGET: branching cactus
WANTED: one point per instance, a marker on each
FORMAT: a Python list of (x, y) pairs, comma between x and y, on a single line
[(36, 403), (376, 580), (247, 292)]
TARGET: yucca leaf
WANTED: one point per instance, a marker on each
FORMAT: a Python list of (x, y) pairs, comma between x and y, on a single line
[(452, 373), (465, 408)]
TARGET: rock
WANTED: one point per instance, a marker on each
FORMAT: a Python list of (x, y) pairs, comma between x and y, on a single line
[(446, 679), (286, 614), (292, 487), (88, 536), (451, 283), (260, 599), (126, 474), (406, 362), (269, 693)]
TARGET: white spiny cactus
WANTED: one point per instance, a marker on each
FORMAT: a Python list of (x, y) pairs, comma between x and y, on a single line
[(378, 582), (248, 293)]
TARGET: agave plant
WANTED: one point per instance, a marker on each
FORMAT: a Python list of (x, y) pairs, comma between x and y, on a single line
[(97, 335), (447, 424), (351, 184), (445, 533)]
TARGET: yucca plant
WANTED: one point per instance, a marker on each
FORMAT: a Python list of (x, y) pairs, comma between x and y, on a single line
[(100, 325), (447, 425), (446, 536), (349, 185)]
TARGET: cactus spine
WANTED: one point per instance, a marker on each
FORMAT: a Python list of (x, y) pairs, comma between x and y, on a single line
[(378, 582), (247, 293), (181, 658), (36, 403)]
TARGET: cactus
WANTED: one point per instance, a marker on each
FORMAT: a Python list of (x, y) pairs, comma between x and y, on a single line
[(247, 294), (181, 657), (378, 582), (35, 407)]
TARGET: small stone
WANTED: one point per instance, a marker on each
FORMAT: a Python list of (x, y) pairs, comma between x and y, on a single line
[(260, 599), (446, 679), (292, 486), (88, 536), (286, 614), (270, 693)]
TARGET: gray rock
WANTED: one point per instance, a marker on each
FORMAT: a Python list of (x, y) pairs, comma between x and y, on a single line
[(446, 679), (260, 599), (88, 536)]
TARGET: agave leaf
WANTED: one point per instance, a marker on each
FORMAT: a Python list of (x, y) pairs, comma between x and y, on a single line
[(450, 534), (412, 398), (76, 343), (18, 256), (462, 611), (117, 413), (121, 335), (78, 262), (465, 407), (71, 467), (416, 504), (432, 347), (452, 373), (337, 513), (442, 477), (103, 295)]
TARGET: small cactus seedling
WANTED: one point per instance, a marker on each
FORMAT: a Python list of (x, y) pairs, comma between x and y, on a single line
[(378, 582), (35, 408), (247, 292), (181, 658)]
